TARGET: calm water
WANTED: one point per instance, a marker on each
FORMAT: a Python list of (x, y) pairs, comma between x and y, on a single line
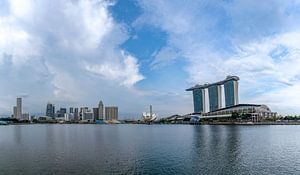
[(149, 149)]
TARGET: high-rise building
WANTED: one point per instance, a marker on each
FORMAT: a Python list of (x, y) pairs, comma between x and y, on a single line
[(50, 110), (76, 114), (215, 95), (86, 114), (71, 110), (198, 95), (15, 112), (96, 113), (231, 93), (62, 112), (111, 113), (19, 108), (82, 111), (101, 110)]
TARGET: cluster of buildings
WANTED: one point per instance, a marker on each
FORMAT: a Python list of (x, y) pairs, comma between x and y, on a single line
[(99, 113), (17, 111), (84, 114), (221, 100)]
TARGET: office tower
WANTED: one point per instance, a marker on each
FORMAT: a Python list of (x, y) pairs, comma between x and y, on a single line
[(62, 112), (76, 114), (50, 110), (19, 108), (101, 110), (96, 113), (111, 113), (71, 110), (87, 114), (82, 111), (15, 112), (57, 114)]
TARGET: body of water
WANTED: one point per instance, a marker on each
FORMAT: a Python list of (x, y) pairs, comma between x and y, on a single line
[(149, 149)]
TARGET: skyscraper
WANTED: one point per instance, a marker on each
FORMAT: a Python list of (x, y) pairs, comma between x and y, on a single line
[(62, 112), (213, 98), (71, 110), (231, 93), (198, 102), (96, 113), (215, 95), (50, 110), (15, 112), (19, 108), (111, 113), (101, 110), (76, 114)]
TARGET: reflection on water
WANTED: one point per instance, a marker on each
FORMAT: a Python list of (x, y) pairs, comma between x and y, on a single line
[(149, 149)]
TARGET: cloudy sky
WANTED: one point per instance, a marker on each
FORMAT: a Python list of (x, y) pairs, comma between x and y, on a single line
[(133, 53)]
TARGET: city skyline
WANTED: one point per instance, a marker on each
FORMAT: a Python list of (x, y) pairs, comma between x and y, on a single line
[(135, 53), (69, 114)]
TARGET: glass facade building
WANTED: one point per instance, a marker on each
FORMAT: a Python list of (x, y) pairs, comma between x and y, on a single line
[(229, 93), (227, 88), (50, 110), (213, 98), (198, 103)]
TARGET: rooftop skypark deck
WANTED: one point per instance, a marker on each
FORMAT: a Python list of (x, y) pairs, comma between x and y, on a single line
[(204, 86)]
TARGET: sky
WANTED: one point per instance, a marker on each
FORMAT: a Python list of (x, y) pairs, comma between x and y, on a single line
[(133, 53)]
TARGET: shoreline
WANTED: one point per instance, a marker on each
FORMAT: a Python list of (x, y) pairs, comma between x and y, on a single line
[(216, 123)]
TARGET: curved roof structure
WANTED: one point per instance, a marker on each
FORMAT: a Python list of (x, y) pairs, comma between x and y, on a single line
[(204, 86)]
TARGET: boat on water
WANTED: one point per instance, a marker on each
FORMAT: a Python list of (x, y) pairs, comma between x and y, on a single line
[(3, 123)]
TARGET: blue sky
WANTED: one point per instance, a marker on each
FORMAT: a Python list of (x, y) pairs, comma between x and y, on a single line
[(135, 53)]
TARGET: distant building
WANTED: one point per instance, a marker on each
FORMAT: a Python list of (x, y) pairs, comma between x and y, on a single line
[(111, 113), (87, 115), (25, 116), (76, 114), (101, 110), (69, 116), (50, 110), (71, 110), (82, 111), (257, 112), (96, 113), (19, 108), (15, 112), (62, 112)]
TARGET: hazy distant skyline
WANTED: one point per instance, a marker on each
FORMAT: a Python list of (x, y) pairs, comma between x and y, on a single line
[(133, 53)]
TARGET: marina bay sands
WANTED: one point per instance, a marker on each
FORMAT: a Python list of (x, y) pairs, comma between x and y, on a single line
[(221, 100), (213, 94)]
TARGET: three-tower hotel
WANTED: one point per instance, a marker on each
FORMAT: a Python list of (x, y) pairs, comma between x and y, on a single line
[(221, 99), (214, 93)]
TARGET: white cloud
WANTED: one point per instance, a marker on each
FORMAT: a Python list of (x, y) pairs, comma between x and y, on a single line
[(44, 43), (127, 73)]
